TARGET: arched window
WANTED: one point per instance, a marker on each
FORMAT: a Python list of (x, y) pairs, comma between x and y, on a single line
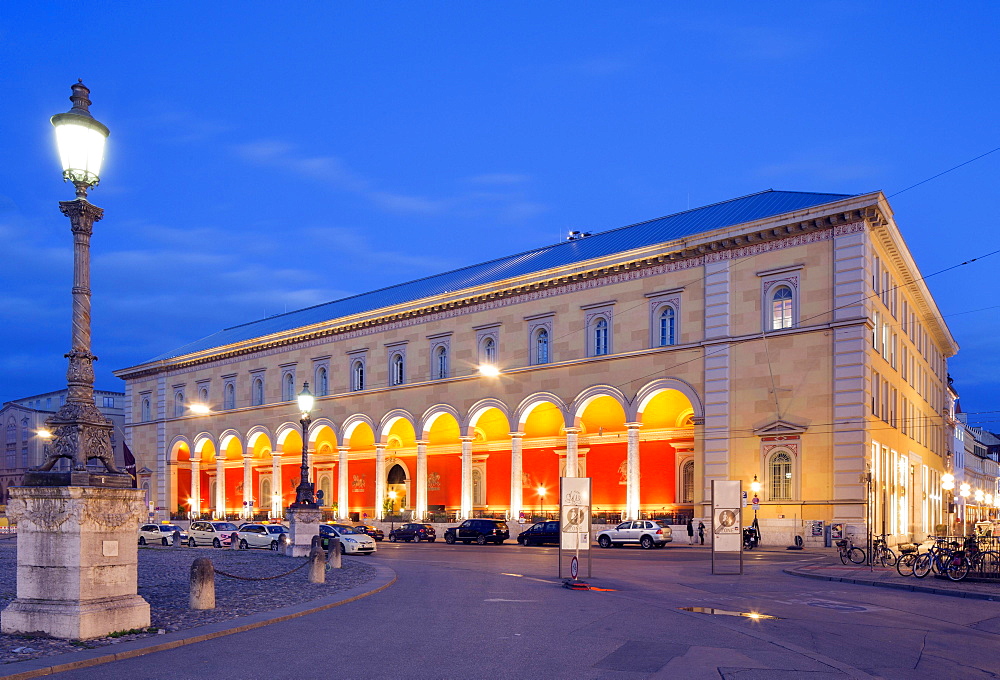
[(230, 396), (322, 382), (265, 493), (288, 393), (203, 395), (781, 308), (477, 487), (258, 392), (600, 330), (780, 471), (542, 346), (396, 370), (358, 376), (668, 327), (326, 487), (146, 411), (441, 363), (178, 404), (490, 351), (687, 482)]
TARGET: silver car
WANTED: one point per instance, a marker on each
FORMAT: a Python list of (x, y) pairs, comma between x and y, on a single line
[(262, 536), (648, 533), (351, 542), (216, 534), (160, 534)]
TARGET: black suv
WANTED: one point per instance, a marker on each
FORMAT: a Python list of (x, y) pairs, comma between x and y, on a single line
[(537, 534), (482, 531), (413, 532)]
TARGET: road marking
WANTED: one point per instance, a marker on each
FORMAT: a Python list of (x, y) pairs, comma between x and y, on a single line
[(500, 599), (540, 580)]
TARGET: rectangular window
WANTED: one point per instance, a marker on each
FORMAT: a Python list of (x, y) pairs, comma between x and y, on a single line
[(109, 402)]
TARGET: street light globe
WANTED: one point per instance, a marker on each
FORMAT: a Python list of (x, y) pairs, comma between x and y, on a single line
[(80, 139), (199, 409), (392, 494), (541, 491), (44, 433), (964, 490), (979, 495), (306, 399), (947, 481), (755, 485)]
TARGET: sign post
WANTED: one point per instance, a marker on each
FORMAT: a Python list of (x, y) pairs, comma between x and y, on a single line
[(727, 530), (574, 521)]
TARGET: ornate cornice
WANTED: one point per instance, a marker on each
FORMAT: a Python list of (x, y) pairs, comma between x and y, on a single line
[(685, 257)]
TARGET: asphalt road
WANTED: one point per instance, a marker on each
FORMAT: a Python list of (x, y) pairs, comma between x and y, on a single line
[(499, 612)]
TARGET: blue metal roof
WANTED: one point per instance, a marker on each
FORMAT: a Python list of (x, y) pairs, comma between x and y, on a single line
[(663, 229)]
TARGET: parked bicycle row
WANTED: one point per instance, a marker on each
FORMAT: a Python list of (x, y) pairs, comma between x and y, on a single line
[(954, 557)]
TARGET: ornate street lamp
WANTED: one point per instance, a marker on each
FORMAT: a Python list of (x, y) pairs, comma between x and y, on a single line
[(541, 496), (304, 491), (80, 432)]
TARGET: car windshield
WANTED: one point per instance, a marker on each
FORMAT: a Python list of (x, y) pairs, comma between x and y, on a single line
[(277, 529), (169, 527), (346, 530), (224, 526)]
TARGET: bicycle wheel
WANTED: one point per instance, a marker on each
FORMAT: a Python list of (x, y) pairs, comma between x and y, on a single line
[(904, 565), (922, 565), (887, 557), (958, 568), (856, 555), (988, 564), (939, 565), (843, 555)]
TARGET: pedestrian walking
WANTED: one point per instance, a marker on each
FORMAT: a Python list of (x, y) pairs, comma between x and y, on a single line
[(690, 527), (701, 532)]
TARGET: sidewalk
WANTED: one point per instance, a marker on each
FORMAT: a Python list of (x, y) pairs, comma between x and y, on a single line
[(888, 577), (48, 665)]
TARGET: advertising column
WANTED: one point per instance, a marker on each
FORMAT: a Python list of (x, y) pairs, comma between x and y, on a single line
[(574, 521), (727, 543)]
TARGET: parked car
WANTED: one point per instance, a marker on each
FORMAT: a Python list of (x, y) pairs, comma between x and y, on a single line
[(374, 532), (160, 534), (481, 531), (352, 542), (215, 534), (540, 533), (645, 532), (262, 535), (413, 532)]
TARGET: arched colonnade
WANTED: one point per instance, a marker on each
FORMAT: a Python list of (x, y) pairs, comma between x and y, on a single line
[(490, 458)]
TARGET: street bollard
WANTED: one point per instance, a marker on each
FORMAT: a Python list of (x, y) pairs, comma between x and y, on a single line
[(177, 539), (317, 565), (202, 584), (234, 541), (333, 554)]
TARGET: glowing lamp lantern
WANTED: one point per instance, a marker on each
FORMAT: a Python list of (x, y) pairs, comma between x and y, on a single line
[(979, 495), (755, 486), (948, 481), (81, 139), (306, 400), (489, 371), (964, 490), (989, 499)]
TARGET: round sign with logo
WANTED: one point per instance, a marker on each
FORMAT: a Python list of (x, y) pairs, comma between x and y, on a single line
[(574, 567), (756, 501)]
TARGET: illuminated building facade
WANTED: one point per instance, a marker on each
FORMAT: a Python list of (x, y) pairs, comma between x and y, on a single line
[(784, 335)]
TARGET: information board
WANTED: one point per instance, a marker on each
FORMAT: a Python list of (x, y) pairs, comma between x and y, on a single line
[(727, 529)]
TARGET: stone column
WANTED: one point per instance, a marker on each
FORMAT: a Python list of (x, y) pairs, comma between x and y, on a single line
[(76, 561), (421, 490), (379, 480), (248, 484), (276, 497), (195, 487), (516, 476), (632, 472), (303, 524), (343, 485), (572, 469), (466, 508), (220, 486)]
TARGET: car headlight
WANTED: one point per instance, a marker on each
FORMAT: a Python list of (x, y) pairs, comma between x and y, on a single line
[(350, 540)]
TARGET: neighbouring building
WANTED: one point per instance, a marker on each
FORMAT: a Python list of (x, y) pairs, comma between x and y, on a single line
[(25, 444), (785, 336)]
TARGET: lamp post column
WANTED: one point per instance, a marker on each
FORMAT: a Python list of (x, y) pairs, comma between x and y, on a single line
[(248, 485), (276, 494), (421, 490), (516, 476), (220, 486)]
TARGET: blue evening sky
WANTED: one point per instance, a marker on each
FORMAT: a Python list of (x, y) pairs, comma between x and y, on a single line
[(269, 156)]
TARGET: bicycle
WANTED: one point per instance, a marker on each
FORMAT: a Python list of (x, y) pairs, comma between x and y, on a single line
[(849, 552), (907, 559), (881, 552), (936, 558)]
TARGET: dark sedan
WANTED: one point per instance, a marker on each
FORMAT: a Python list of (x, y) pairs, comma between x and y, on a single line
[(413, 532), (374, 532), (540, 533)]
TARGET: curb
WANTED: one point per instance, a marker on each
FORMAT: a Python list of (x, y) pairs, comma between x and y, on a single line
[(967, 594), (23, 670)]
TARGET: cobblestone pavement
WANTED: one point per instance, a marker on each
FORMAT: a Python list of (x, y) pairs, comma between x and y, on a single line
[(163, 582)]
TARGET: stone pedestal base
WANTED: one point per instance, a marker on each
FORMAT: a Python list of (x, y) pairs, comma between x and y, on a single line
[(76, 561), (303, 524)]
